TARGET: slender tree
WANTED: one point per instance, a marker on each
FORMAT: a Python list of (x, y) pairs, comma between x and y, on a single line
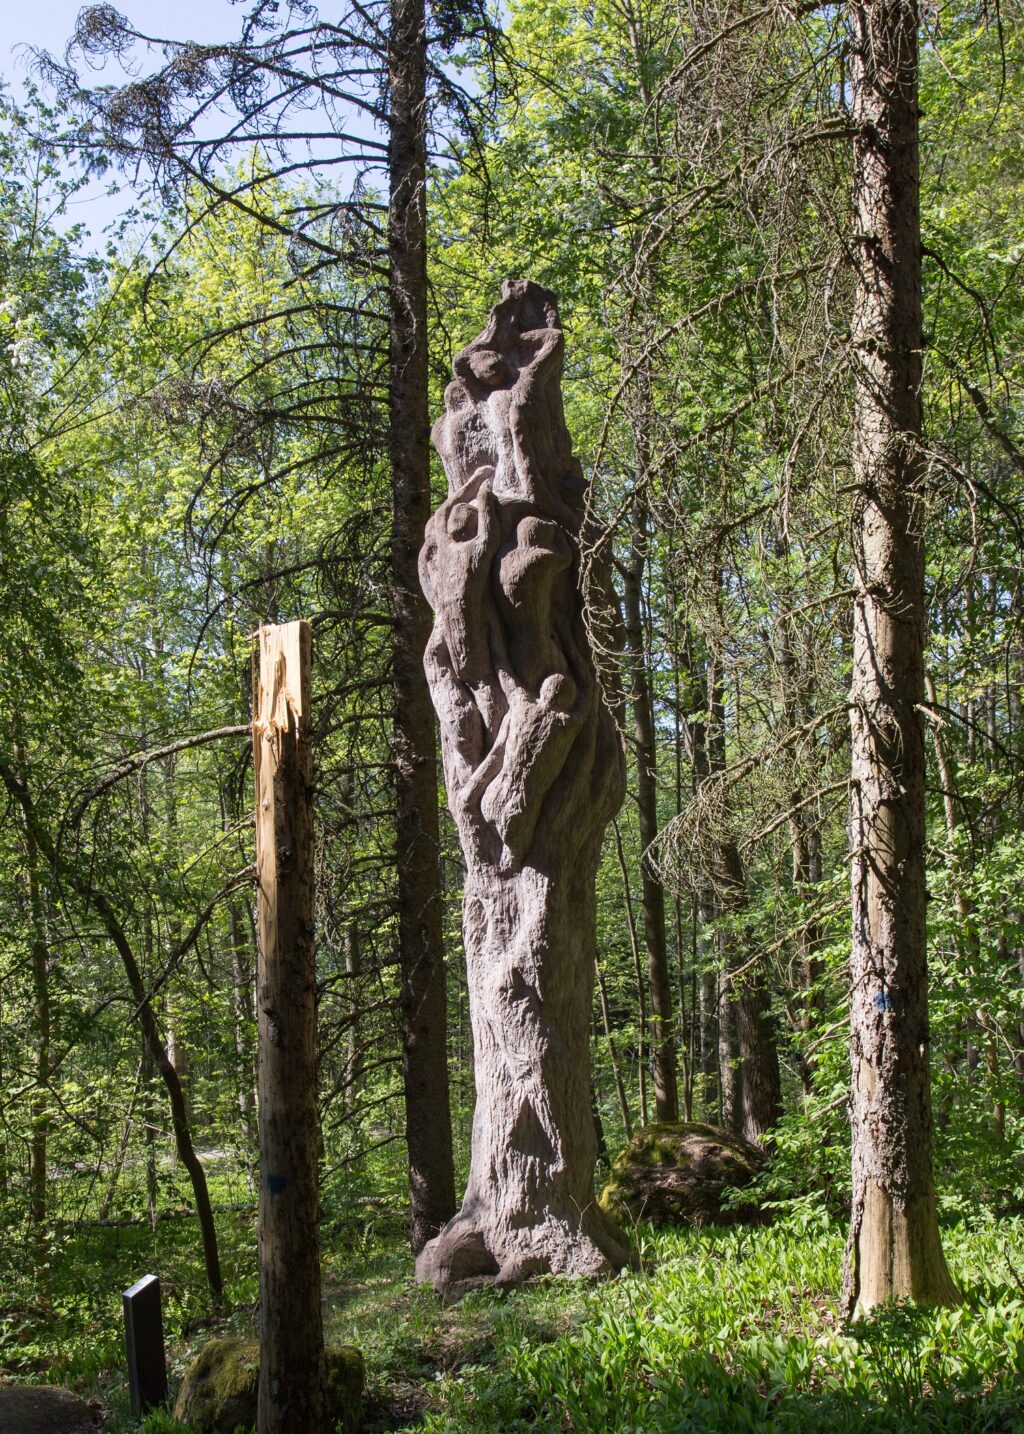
[(421, 943)]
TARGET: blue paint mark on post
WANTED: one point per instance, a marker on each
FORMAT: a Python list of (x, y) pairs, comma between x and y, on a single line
[(883, 1001), (276, 1184)]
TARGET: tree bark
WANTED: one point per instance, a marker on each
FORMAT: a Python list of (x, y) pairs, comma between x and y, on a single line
[(760, 1082), (620, 1088), (534, 771), (704, 956), (666, 1092), (641, 991), (242, 994), (729, 1110), (420, 916), (291, 1384), (894, 1250), (752, 1090)]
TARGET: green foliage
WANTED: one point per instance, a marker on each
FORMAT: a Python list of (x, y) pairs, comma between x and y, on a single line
[(720, 1330), (737, 1331)]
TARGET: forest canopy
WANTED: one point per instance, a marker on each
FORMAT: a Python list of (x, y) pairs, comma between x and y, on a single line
[(786, 242)]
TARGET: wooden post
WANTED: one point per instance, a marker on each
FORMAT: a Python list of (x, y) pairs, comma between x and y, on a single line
[(144, 1343), (291, 1386)]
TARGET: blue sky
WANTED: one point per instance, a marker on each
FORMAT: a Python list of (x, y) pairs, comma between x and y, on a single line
[(48, 24)]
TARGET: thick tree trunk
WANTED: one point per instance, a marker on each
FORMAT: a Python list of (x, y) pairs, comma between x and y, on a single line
[(291, 1385), (760, 1083), (666, 1094), (894, 1249), (421, 942), (534, 771)]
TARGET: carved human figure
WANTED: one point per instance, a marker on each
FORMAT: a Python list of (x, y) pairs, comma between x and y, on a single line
[(534, 770)]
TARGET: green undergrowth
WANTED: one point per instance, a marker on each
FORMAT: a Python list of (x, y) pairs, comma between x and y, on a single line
[(719, 1330)]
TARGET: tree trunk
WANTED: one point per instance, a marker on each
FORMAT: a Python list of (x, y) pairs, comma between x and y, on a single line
[(708, 999), (620, 1088), (291, 1384), (641, 992), (666, 1095), (353, 1059), (760, 1083), (752, 1092), (893, 1251), (704, 955), (421, 941), (242, 993), (729, 1111), (534, 771), (146, 1018)]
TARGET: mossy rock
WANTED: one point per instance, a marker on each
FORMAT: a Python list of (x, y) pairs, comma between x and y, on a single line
[(676, 1174), (218, 1392), (38, 1409)]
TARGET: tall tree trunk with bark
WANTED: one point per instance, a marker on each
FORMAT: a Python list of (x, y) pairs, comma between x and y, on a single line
[(421, 941), (894, 1250), (666, 1093), (706, 1000)]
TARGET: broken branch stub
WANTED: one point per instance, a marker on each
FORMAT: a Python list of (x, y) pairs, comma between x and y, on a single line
[(534, 769)]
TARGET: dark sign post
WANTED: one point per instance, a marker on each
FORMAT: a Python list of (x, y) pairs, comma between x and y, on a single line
[(144, 1339)]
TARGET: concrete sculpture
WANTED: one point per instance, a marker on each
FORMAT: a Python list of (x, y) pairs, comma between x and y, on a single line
[(534, 769)]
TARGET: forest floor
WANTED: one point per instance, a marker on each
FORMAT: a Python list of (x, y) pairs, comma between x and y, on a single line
[(719, 1330)]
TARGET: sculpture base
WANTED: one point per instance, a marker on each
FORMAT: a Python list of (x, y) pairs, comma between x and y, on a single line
[(471, 1251)]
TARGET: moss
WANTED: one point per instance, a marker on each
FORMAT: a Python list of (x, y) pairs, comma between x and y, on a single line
[(28, 1409), (345, 1378), (677, 1173), (219, 1390)]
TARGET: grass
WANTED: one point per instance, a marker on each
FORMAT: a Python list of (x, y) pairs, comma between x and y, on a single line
[(720, 1330)]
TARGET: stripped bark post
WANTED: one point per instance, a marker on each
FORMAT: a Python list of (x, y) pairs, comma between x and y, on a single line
[(291, 1386)]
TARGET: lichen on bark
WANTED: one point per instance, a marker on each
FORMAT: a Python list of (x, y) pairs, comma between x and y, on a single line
[(534, 769)]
